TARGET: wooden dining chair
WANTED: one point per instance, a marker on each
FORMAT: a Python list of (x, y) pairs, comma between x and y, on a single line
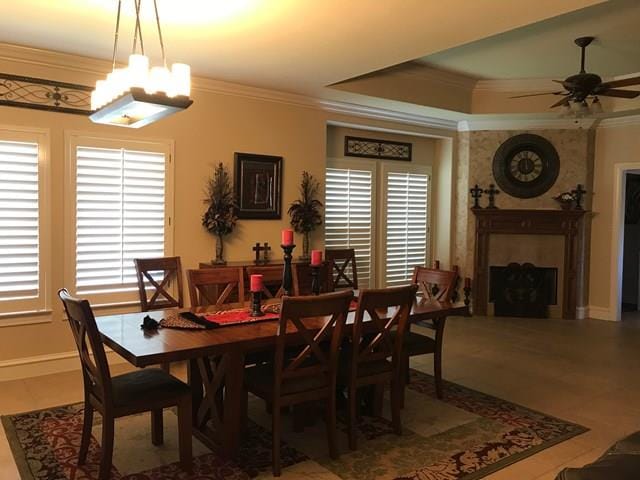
[(372, 345), (272, 279), (433, 285), (343, 264), (216, 286), (171, 270), (309, 374), (146, 390)]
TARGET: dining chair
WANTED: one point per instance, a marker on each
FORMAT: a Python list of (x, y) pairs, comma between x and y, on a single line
[(309, 374), (216, 286), (372, 345), (171, 270), (433, 285), (146, 390), (344, 270), (272, 277)]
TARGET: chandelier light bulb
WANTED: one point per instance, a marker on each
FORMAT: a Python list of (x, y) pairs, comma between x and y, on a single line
[(181, 79), (138, 70)]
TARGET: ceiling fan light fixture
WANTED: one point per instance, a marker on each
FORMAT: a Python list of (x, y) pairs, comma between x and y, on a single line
[(596, 106), (137, 95)]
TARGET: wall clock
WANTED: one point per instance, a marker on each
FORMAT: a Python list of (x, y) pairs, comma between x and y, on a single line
[(526, 165)]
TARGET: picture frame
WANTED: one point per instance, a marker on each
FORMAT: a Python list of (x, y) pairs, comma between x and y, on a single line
[(258, 186)]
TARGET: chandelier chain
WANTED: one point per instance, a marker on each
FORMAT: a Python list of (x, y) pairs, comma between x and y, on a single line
[(164, 57), (115, 39), (138, 29)]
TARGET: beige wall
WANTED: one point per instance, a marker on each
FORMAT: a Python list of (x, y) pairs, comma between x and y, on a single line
[(613, 147), (217, 125)]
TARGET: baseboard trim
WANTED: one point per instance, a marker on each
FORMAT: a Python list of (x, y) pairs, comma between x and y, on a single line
[(599, 313), (582, 312), (27, 367)]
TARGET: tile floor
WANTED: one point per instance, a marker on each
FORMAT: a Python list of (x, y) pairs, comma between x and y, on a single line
[(584, 371)]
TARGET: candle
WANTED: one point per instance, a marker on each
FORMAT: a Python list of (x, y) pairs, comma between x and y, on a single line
[(316, 257), (467, 282), (287, 237), (256, 283)]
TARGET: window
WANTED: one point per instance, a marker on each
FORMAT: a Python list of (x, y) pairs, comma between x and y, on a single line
[(348, 215), (406, 225), (122, 211), (24, 241)]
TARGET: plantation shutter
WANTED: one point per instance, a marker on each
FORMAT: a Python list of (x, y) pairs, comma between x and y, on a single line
[(19, 221), (348, 216), (120, 215), (406, 220)]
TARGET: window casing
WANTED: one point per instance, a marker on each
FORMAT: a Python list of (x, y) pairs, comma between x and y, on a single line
[(24, 222), (120, 207)]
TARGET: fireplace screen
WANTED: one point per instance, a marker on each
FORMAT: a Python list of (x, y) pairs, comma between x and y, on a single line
[(522, 290)]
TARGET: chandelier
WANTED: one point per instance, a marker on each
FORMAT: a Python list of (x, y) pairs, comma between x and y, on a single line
[(582, 108), (137, 95)]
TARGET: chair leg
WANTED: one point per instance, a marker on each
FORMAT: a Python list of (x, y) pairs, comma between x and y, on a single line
[(332, 434), (86, 432), (157, 427), (184, 434), (275, 426), (106, 448), (299, 421), (407, 368), (437, 372), (378, 399), (353, 403), (397, 385)]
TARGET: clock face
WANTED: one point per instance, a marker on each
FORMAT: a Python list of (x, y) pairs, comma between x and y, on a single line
[(526, 166)]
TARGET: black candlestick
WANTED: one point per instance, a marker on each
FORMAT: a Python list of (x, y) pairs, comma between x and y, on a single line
[(287, 276), (256, 298), (577, 195), (315, 282), (467, 296), (476, 193), (492, 191)]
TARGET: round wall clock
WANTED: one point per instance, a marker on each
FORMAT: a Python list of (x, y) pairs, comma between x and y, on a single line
[(526, 165)]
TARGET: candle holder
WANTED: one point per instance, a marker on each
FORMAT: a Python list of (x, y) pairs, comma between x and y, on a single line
[(256, 298), (315, 281), (467, 295), (287, 276)]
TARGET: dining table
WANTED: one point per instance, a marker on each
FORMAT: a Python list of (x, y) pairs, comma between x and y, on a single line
[(216, 357)]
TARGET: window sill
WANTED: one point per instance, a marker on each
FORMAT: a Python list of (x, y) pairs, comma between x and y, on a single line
[(33, 317)]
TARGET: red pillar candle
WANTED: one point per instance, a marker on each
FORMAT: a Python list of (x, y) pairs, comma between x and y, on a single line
[(467, 282), (255, 283), (316, 257), (287, 237)]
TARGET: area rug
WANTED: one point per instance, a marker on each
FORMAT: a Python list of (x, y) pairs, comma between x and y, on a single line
[(468, 435)]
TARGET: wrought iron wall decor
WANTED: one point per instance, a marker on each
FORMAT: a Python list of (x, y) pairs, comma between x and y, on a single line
[(372, 148), (42, 94)]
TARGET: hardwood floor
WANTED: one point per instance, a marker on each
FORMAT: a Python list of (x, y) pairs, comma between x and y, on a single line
[(584, 371)]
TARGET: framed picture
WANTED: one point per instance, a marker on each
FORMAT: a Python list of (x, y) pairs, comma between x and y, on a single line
[(258, 186)]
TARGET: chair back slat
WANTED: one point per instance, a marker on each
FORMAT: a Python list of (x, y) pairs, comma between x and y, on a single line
[(214, 286), (272, 277), (95, 368), (309, 358), (435, 284), (387, 309), (147, 273), (343, 263)]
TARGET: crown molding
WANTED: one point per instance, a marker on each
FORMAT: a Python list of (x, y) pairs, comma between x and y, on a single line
[(436, 75), (472, 125), (516, 85), (615, 122)]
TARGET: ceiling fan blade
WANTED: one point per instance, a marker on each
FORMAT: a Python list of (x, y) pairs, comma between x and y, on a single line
[(562, 101), (539, 94), (623, 82), (612, 92)]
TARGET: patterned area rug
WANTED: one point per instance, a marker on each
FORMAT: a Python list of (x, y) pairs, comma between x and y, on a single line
[(466, 436)]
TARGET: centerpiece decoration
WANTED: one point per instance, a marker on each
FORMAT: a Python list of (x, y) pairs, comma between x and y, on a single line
[(566, 200), (220, 218), (305, 212)]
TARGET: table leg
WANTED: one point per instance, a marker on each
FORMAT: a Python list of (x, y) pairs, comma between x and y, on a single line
[(195, 382), (233, 401)]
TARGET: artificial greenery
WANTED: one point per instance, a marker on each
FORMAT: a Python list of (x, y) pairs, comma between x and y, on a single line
[(306, 211), (220, 217)]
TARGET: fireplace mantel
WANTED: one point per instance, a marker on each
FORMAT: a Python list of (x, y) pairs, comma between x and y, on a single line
[(567, 223)]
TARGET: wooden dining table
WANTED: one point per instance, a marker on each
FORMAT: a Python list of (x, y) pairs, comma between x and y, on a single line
[(216, 359)]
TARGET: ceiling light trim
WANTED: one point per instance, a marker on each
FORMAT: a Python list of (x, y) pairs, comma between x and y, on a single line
[(471, 125)]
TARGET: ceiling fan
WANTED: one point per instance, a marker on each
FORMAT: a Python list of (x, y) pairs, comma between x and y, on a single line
[(581, 86)]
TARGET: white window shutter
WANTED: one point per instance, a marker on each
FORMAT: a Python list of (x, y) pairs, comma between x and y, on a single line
[(406, 222), (19, 221), (348, 216), (120, 211)]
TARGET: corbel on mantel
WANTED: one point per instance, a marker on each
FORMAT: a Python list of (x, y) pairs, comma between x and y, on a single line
[(567, 223)]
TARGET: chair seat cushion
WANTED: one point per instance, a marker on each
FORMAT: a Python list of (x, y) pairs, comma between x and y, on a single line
[(417, 344), (365, 369), (620, 462), (146, 385), (259, 380)]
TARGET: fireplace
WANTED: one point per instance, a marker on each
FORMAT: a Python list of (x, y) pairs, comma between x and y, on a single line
[(522, 290)]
